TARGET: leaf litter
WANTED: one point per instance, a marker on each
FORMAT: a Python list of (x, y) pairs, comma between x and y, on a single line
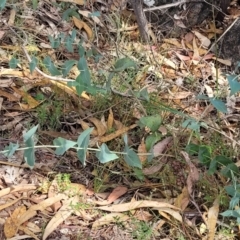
[(22, 93)]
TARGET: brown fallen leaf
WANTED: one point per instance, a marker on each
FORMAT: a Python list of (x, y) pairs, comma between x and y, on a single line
[(8, 204), (101, 129), (85, 126), (135, 205), (18, 188), (173, 41), (161, 146), (80, 24), (227, 62), (28, 232), (204, 40), (32, 211), (116, 134), (31, 102), (117, 124), (143, 215), (193, 175), (110, 218), (76, 188), (183, 199), (11, 225), (155, 168), (212, 219), (79, 2), (64, 212), (116, 193), (71, 91), (171, 212), (11, 124), (53, 190), (110, 120), (29, 48), (9, 96), (94, 18)]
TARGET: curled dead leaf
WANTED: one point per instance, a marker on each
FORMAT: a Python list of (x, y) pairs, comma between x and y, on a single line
[(110, 120), (101, 129), (80, 24), (86, 126)]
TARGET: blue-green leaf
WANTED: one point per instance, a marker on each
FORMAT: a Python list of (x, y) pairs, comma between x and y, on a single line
[(222, 160), (234, 84), (233, 190), (67, 66), (204, 155), (80, 87), (62, 145), (50, 66), (95, 14), (139, 174), (152, 122), (152, 139), (85, 76), (192, 124), (13, 62), (219, 105), (230, 170), (70, 12), (35, 4), (29, 153), (55, 42), (81, 50), (33, 64), (130, 157), (212, 167), (89, 53), (150, 156), (83, 142), (228, 213), (30, 133), (123, 64), (11, 149), (192, 149), (69, 44), (2, 4), (105, 155), (234, 202), (109, 81), (73, 34), (202, 97), (144, 94)]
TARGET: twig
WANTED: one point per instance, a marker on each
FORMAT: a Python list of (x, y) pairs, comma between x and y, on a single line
[(13, 164), (170, 5)]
